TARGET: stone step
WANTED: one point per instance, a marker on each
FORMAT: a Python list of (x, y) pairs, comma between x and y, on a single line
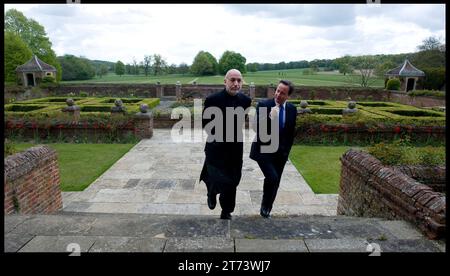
[(172, 233)]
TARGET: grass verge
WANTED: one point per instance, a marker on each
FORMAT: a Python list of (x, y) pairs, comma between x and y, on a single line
[(81, 164), (320, 166)]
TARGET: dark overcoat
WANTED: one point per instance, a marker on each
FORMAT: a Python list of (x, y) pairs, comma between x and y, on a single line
[(223, 163)]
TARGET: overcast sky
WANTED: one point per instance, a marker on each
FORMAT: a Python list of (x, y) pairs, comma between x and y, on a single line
[(260, 32)]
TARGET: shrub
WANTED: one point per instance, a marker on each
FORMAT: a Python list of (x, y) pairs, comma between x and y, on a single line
[(431, 156), (434, 78), (48, 79), (9, 147), (388, 154), (393, 84), (83, 94), (434, 93)]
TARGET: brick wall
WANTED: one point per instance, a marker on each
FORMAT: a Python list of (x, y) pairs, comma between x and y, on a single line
[(32, 184), (431, 176), (369, 189)]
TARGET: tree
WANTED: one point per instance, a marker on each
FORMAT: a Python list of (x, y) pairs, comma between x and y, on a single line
[(204, 64), (365, 65), (135, 67), (431, 43), (231, 60), (344, 65), (102, 70), (159, 65), (183, 68), (119, 68), (146, 64), (382, 68), (16, 53), (252, 67), (76, 68), (34, 35)]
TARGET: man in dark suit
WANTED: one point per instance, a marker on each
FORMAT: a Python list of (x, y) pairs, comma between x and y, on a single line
[(224, 147), (272, 163)]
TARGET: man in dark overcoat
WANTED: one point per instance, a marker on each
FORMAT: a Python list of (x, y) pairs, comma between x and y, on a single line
[(222, 168)]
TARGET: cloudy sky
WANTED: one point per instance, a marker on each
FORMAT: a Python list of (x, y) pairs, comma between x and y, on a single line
[(260, 32)]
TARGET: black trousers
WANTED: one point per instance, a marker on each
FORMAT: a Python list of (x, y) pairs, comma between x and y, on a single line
[(272, 170), (224, 181)]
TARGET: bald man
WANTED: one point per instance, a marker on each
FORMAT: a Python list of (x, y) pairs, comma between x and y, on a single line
[(223, 164)]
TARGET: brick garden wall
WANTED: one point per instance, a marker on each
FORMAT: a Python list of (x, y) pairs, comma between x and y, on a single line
[(431, 176), (369, 189), (32, 183)]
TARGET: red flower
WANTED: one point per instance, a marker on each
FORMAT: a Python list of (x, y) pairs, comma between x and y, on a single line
[(397, 129), (429, 129), (60, 126)]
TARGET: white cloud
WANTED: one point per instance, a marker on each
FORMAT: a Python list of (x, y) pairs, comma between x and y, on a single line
[(261, 33)]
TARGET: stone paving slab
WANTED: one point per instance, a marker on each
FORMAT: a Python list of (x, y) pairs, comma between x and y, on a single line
[(103, 232), (58, 244), (205, 244), (159, 176), (260, 245), (336, 245), (127, 244)]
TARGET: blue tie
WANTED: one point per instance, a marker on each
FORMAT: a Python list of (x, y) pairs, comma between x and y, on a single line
[(281, 116)]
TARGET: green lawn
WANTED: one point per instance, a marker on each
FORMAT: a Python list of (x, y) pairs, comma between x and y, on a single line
[(259, 78), (320, 166), (81, 164)]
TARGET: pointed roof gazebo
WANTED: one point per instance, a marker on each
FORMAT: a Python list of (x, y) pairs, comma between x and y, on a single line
[(34, 70), (408, 75)]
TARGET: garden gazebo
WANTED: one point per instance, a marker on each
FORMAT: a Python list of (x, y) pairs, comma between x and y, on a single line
[(408, 75), (32, 72)]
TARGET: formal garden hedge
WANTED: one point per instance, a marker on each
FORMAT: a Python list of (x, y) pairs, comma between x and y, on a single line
[(373, 122), (44, 119), (326, 124)]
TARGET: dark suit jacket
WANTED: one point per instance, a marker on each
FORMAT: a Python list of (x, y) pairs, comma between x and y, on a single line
[(287, 135), (224, 158)]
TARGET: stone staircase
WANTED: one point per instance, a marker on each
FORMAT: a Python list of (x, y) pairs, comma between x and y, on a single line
[(106, 232)]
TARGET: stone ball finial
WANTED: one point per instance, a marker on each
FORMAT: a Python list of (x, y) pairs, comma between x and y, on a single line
[(351, 104), (351, 108), (303, 104), (118, 102), (143, 108), (70, 102), (178, 83)]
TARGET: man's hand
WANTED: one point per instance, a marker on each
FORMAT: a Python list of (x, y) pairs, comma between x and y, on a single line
[(274, 112)]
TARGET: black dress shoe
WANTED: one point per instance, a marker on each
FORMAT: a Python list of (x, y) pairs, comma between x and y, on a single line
[(225, 215), (212, 201), (264, 212)]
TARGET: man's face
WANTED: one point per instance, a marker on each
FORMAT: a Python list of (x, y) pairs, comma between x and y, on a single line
[(233, 82), (282, 93)]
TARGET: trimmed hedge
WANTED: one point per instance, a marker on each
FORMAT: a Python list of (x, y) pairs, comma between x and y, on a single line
[(52, 104)]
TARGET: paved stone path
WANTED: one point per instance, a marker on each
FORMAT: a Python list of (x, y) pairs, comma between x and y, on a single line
[(160, 176), (175, 233)]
